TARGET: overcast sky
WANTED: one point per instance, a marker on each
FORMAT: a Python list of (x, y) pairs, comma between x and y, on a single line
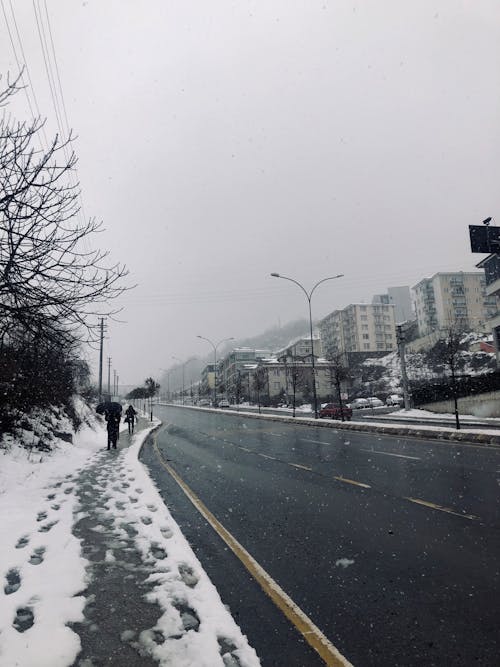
[(222, 140)]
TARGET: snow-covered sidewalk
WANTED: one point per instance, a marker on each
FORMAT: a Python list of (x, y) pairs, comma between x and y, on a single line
[(96, 570)]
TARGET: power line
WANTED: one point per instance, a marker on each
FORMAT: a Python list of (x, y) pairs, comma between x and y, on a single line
[(56, 68), (48, 70)]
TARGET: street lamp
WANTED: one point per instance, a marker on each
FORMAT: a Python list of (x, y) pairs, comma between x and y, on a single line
[(308, 297), (184, 364), (167, 372), (215, 346)]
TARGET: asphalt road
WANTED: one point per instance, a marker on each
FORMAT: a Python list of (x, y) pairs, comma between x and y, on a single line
[(389, 545)]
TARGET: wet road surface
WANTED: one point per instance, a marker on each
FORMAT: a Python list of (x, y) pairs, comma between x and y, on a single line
[(389, 545)]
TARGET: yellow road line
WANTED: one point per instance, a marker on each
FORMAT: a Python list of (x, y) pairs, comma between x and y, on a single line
[(297, 465), (352, 481), (434, 506), (311, 633)]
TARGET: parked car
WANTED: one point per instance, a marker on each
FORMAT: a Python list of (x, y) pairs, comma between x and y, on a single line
[(223, 403), (359, 403), (204, 402), (394, 399), (374, 402), (332, 411)]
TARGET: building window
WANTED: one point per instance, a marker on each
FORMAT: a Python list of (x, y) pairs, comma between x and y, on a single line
[(364, 317), (366, 336), (366, 346)]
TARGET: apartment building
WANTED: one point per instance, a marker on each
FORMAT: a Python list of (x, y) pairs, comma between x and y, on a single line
[(236, 363), (400, 298), (289, 375), (207, 379), (359, 328), (448, 299), (300, 348)]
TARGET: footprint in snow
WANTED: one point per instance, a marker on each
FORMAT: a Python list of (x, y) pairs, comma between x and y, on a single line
[(41, 516), (37, 556), (152, 508), (51, 496), (146, 520), (55, 506), (22, 542), (166, 532), (138, 491), (47, 527), (187, 575), (126, 485), (158, 552), (68, 490), (133, 499), (189, 617), (13, 581), (24, 619), (226, 650)]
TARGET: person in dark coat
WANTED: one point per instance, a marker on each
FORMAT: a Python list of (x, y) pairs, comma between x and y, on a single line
[(130, 417), (113, 427)]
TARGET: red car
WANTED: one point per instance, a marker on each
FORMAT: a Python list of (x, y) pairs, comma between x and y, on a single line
[(332, 411)]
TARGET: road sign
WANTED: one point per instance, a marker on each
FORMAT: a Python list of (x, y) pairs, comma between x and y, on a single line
[(484, 239)]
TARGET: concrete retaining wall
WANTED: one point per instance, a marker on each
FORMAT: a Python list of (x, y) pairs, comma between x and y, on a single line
[(481, 405)]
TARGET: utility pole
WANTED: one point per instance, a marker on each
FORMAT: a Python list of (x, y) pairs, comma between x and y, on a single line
[(117, 380), (114, 382), (100, 359), (109, 376), (400, 335)]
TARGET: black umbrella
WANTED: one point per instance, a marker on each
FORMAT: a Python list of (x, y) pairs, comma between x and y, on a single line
[(110, 407)]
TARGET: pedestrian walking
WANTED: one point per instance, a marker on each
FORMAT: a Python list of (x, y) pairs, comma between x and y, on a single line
[(130, 417), (113, 427)]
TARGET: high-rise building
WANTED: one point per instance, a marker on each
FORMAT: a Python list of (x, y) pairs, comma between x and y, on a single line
[(400, 298), (453, 299), (359, 328)]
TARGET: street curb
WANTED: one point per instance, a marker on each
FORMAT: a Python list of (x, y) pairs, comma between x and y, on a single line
[(447, 434), (153, 430)]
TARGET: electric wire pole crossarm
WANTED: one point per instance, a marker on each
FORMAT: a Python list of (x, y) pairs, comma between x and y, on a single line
[(215, 346), (309, 297)]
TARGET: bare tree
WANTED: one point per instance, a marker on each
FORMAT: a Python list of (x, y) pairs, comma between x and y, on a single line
[(52, 285), (296, 378), (259, 382), (338, 372), (50, 282)]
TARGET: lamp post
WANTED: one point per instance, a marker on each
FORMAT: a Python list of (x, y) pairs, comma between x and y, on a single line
[(308, 297), (182, 364), (215, 346), (167, 372)]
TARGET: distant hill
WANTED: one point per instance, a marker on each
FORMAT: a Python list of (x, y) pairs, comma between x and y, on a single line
[(276, 338), (273, 339)]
